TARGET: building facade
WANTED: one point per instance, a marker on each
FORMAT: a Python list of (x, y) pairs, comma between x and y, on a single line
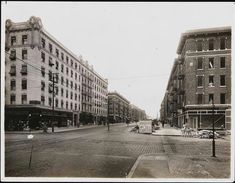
[(42, 74), (137, 114), (200, 80), (118, 108)]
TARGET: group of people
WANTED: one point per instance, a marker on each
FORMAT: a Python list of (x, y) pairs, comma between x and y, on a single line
[(186, 131)]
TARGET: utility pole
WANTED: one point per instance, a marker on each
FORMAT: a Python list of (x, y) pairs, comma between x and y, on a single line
[(213, 121), (53, 100)]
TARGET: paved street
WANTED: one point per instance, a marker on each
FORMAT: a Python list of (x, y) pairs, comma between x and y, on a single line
[(97, 152)]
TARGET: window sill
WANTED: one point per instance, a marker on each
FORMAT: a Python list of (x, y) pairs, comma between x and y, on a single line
[(200, 87), (223, 86)]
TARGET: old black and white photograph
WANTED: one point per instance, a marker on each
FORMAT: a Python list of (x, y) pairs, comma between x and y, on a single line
[(117, 91)]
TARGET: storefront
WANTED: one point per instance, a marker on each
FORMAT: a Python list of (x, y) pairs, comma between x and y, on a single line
[(18, 117)]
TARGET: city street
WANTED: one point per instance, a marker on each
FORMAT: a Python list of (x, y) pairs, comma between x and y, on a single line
[(97, 152)]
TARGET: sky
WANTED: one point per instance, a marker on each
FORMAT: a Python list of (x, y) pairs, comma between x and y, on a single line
[(133, 45)]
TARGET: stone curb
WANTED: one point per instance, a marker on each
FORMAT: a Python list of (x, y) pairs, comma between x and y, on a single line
[(61, 131), (167, 155)]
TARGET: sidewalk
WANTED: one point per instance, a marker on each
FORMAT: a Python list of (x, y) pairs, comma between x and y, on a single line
[(167, 131), (180, 166), (58, 129)]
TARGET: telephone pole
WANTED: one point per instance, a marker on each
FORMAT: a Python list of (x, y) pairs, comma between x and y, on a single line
[(213, 121), (53, 100)]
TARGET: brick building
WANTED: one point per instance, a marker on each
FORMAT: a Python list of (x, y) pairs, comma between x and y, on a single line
[(136, 114), (34, 61), (118, 108), (200, 76)]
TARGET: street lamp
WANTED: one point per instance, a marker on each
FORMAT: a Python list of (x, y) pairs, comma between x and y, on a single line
[(29, 123)]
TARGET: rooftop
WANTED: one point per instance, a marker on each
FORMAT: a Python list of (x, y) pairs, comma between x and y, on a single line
[(196, 32)]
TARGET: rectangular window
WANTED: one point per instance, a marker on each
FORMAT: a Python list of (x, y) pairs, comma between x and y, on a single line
[(76, 66), (67, 82), (76, 76), (24, 84), (62, 92), (43, 100), (211, 80), (67, 59), (211, 98), (66, 105), (199, 46), (57, 65), (62, 68), (67, 71), (43, 71), (24, 70), (71, 84), (71, 74), (43, 42), (222, 80), (13, 85), (43, 56), (200, 81), (50, 88), (13, 98), (211, 63), (56, 90), (62, 80), (211, 44), (199, 98), (24, 54), (222, 98), (50, 62), (199, 63), (62, 56), (62, 103), (57, 53), (13, 55), (67, 94), (71, 106), (71, 95), (24, 99), (222, 62), (50, 48), (50, 76), (71, 63), (56, 103), (13, 40), (42, 86), (222, 43), (13, 70), (24, 39), (50, 101)]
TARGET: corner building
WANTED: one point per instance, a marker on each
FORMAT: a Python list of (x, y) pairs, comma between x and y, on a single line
[(34, 61), (201, 77), (118, 108)]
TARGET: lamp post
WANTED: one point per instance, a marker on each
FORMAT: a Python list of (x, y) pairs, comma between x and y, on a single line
[(29, 123)]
